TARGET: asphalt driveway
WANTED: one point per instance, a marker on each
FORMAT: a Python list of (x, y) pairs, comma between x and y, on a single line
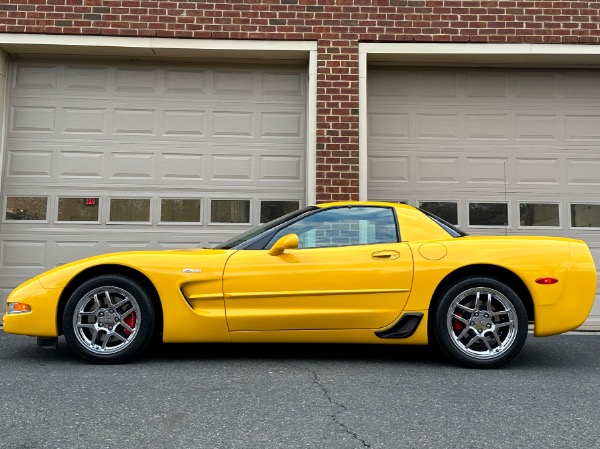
[(300, 396)]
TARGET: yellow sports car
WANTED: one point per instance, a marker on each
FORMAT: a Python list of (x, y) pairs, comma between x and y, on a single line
[(354, 272)]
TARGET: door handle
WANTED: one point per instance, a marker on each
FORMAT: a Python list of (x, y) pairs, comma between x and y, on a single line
[(385, 255)]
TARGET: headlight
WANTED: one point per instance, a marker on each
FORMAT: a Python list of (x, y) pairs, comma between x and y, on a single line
[(17, 307)]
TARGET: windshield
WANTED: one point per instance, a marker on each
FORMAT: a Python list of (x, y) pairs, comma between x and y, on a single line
[(450, 229), (236, 241)]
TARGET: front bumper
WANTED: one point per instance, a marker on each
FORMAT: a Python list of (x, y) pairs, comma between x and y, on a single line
[(42, 320)]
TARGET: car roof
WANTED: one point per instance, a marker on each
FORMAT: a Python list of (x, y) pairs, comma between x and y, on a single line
[(365, 203)]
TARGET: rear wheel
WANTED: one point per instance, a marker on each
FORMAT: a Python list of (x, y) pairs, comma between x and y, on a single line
[(109, 319), (480, 322)]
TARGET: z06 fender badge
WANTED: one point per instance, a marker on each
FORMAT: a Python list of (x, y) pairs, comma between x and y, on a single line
[(192, 270)]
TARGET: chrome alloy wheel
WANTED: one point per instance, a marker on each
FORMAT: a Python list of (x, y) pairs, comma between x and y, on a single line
[(482, 323), (106, 320)]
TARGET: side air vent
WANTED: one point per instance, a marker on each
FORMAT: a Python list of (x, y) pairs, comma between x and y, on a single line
[(403, 328)]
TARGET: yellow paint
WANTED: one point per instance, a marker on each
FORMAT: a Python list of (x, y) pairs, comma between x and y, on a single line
[(433, 251), (301, 288), (41, 321), (340, 294), (366, 336), (287, 294), (573, 303)]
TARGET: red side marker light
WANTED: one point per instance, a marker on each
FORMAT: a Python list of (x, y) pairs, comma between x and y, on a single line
[(546, 281)]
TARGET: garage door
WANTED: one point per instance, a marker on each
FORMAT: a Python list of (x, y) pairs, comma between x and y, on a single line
[(493, 150), (110, 156)]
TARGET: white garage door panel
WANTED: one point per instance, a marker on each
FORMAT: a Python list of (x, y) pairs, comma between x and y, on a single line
[(282, 123), (156, 166), (488, 135), (130, 117), (108, 130)]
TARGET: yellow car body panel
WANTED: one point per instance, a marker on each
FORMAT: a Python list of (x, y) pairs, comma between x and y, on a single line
[(536, 258), (362, 336), (571, 305), (335, 294), (40, 321), (351, 287), (200, 319)]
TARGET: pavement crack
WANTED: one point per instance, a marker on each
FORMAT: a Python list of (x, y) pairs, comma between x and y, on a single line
[(341, 408)]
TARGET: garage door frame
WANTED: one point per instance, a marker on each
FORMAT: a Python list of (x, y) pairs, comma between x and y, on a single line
[(459, 55), (156, 49), (536, 56), (110, 48)]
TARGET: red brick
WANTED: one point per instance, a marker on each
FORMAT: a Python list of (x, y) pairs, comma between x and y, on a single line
[(338, 26)]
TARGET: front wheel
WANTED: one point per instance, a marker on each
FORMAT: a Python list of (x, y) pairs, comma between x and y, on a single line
[(480, 322), (109, 319)]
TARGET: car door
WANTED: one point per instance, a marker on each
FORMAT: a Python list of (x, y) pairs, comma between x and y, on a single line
[(348, 272)]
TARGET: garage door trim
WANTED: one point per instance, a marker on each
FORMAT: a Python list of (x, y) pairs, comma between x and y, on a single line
[(459, 55)]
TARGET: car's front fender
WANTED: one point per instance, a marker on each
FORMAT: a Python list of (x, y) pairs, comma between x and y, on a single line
[(41, 320)]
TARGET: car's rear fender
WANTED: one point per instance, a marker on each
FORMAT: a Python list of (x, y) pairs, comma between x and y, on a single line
[(440, 265), (487, 270), (577, 295), (519, 262)]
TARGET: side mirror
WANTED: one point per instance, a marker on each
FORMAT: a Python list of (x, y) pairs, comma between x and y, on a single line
[(289, 241)]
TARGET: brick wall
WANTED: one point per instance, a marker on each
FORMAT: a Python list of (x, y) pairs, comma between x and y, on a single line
[(337, 25)]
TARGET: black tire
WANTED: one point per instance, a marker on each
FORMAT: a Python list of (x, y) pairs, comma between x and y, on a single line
[(109, 319), (480, 322)]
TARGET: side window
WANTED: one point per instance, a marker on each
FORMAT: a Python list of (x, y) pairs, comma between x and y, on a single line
[(343, 226)]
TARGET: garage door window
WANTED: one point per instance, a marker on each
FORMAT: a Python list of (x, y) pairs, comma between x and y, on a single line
[(447, 211), (585, 215), (179, 210), (230, 211), (130, 210), (270, 210), (78, 209), (488, 214), (539, 214), (32, 208)]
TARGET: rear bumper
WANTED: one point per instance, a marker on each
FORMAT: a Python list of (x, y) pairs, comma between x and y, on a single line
[(577, 296)]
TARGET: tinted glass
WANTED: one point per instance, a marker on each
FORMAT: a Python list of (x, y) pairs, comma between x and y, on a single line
[(78, 209), (230, 211), (343, 226), (447, 211), (488, 214), (270, 210), (26, 207), (585, 215), (539, 214), (130, 209), (179, 210), (242, 239)]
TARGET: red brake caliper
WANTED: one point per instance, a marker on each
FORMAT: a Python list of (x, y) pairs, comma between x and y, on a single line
[(130, 321), (457, 325)]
